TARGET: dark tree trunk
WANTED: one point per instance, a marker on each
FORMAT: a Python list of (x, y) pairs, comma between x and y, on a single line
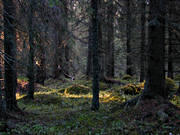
[(89, 57), (110, 40), (31, 51), (101, 45), (65, 38), (170, 53), (170, 46), (62, 48), (40, 66), (56, 66), (155, 81), (2, 106), (143, 21), (10, 54), (95, 42), (129, 70)]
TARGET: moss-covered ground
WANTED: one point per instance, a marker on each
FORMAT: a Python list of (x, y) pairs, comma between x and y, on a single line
[(56, 112)]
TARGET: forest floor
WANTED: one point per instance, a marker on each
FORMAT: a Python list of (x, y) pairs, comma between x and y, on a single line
[(55, 112)]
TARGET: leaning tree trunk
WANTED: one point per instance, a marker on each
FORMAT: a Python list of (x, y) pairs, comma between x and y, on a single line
[(95, 42), (143, 20), (155, 81), (10, 54), (31, 51)]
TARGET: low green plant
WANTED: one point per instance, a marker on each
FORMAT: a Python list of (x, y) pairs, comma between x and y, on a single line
[(77, 89)]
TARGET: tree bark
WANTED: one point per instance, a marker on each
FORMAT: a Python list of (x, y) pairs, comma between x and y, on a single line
[(62, 48), (10, 54), (110, 39), (31, 51), (40, 66), (155, 81), (143, 21), (89, 57), (170, 46), (95, 47), (129, 70), (101, 45), (2, 106), (65, 39)]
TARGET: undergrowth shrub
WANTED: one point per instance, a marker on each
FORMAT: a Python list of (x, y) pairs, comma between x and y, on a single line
[(77, 89)]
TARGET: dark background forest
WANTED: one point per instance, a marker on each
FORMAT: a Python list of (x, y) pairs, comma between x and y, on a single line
[(89, 67)]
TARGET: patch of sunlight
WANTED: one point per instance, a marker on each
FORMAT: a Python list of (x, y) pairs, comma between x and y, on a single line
[(77, 96), (52, 91), (19, 96)]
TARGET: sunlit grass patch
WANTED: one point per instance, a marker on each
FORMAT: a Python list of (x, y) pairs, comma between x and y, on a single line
[(55, 112)]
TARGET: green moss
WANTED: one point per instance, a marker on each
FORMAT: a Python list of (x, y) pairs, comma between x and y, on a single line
[(48, 99), (127, 77), (170, 85), (131, 89), (22, 78), (177, 77), (77, 89)]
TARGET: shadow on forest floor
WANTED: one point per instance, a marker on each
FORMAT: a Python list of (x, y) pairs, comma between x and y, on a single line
[(55, 113)]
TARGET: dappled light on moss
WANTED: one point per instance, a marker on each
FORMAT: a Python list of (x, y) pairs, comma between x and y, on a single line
[(170, 85), (53, 111), (77, 89), (132, 89)]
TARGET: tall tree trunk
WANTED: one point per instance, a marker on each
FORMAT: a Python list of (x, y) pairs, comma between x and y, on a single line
[(110, 39), (31, 51), (95, 42), (129, 70), (57, 52), (10, 54), (143, 21), (101, 45), (65, 38), (155, 81), (2, 106), (40, 66), (170, 46), (170, 53), (61, 63), (89, 57)]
